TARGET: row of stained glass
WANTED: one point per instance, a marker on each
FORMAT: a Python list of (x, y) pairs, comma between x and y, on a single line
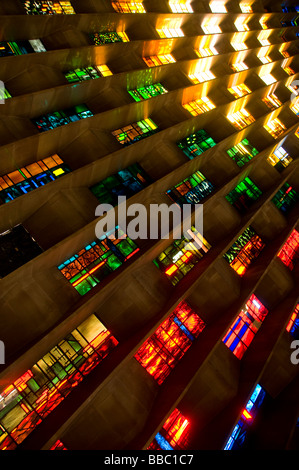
[(34, 397)]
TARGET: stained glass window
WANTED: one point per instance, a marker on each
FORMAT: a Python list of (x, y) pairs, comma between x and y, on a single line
[(241, 119), (182, 255), (286, 198), (174, 433), (58, 446), (17, 247), (239, 90), (134, 132), (238, 41), (237, 439), (271, 101), (242, 152), (21, 47), (148, 91), (126, 182), (243, 196), (87, 73), (195, 144), (280, 158), (162, 351), (156, 60), (239, 66), (199, 106), (244, 251), (191, 190), (4, 94), (275, 128), (109, 37), (31, 398), (241, 333), (289, 253), (48, 7), (293, 324), (61, 118), (128, 7), (30, 177), (87, 268), (207, 46)]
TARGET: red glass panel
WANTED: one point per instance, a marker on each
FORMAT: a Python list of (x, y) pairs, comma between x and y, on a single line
[(162, 351), (290, 250)]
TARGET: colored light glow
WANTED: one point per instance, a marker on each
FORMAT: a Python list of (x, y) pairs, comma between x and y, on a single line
[(280, 157), (206, 46), (240, 119), (246, 414), (238, 41), (42, 388), (48, 7), (293, 324), (155, 61), (218, 6), (263, 38), (275, 127), (169, 29), (200, 77), (171, 270), (239, 90)]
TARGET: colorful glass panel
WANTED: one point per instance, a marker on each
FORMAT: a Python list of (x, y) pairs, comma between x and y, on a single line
[(174, 433), (191, 190), (31, 177), (162, 351), (182, 255), (244, 251), (241, 333), (195, 144), (87, 268)]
